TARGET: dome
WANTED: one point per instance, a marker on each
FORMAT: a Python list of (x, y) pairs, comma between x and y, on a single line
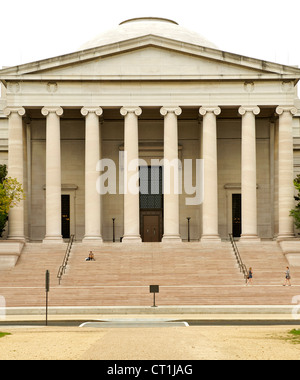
[(138, 27)]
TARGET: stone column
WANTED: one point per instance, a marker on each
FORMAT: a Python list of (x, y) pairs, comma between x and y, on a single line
[(285, 171), (210, 201), (16, 168), (92, 156), (131, 175), (248, 174), (27, 174), (53, 174), (171, 174)]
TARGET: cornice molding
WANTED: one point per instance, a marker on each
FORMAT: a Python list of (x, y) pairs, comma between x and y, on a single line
[(39, 68)]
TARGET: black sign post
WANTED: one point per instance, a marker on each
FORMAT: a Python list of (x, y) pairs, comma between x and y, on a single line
[(154, 289), (114, 238), (47, 287), (188, 219)]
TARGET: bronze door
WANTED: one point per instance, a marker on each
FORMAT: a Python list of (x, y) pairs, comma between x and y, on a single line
[(151, 228), (151, 203)]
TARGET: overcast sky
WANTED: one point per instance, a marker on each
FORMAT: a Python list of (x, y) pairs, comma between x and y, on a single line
[(31, 30)]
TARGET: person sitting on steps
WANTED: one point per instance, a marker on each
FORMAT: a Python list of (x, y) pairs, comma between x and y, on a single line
[(91, 257)]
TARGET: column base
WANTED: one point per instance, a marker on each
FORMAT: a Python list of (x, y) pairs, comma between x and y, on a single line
[(287, 236), (92, 239), (171, 239), (210, 238), (53, 239), (132, 239), (249, 238), (19, 238)]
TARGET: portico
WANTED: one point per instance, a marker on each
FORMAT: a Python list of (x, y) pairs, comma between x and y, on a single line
[(234, 113), (169, 150)]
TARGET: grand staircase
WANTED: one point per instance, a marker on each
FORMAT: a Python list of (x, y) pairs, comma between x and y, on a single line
[(187, 273)]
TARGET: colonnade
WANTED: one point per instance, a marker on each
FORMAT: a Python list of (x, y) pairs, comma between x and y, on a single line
[(171, 199)]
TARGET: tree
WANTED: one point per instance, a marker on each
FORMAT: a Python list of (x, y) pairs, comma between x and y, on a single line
[(295, 213), (11, 193), (3, 173)]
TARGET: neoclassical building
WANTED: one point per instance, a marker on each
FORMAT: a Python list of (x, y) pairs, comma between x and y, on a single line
[(73, 127)]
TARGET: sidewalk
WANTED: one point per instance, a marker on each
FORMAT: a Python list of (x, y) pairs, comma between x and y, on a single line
[(193, 313), (211, 333)]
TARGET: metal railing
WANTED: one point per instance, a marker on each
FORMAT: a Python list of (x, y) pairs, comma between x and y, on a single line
[(239, 260), (63, 266)]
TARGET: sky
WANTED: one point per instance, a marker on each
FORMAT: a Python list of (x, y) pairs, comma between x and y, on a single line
[(31, 30)]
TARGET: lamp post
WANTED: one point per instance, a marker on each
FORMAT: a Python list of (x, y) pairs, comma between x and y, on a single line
[(113, 219), (47, 286), (188, 219)]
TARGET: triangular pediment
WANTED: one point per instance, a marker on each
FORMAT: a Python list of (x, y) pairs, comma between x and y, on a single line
[(150, 62), (150, 57)]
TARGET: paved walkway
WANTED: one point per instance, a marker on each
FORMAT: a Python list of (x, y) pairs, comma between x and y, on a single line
[(140, 343)]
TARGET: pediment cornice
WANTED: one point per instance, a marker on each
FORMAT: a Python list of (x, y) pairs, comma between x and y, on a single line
[(41, 70)]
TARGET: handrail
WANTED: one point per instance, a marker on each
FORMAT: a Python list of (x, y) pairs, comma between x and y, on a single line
[(63, 266), (239, 260)]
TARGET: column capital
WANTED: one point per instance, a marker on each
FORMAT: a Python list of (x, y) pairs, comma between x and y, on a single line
[(9, 110), (281, 109), (254, 109), (86, 110), (46, 110), (204, 110), (176, 110), (131, 109)]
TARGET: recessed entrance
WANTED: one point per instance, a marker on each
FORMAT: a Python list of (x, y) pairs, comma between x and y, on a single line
[(236, 215), (65, 216), (151, 203)]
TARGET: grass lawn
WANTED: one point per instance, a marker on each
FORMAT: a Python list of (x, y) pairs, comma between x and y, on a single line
[(3, 334), (295, 336)]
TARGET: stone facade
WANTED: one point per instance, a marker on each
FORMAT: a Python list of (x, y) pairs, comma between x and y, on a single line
[(153, 97)]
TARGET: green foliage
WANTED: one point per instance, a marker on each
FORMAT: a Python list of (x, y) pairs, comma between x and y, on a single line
[(3, 334), (295, 332), (11, 193), (295, 336), (295, 213), (3, 173), (3, 220)]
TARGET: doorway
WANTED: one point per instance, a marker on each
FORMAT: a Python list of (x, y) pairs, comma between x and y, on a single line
[(236, 215), (151, 203), (65, 216), (151, 222)]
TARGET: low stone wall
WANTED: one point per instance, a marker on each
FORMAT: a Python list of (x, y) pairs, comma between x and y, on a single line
[(291, 249), (10, 252)]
